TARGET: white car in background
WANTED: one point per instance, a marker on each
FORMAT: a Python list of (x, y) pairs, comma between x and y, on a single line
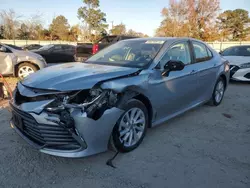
[(239, 59)]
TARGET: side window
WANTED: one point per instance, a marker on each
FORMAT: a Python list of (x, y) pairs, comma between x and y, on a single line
[(65, 47), (57, 48), (3, 49), (179, 52), (201, 52), (244, 51)]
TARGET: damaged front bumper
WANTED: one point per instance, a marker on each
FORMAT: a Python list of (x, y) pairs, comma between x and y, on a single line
[(44, 131)]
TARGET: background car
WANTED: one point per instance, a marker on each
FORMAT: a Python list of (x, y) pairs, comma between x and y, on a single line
[(57, 53), (79, 109), (31, 47), (85, 50), (239, 59), (14, 46), (16, 62)]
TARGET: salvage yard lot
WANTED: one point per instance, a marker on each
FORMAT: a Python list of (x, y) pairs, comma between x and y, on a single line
[(205, 147)]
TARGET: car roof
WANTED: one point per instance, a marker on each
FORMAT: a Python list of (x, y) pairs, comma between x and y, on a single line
[(63, 44), (237, 46), (171, 39)]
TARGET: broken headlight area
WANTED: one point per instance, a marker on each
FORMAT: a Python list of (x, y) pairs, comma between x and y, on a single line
[(20, 99), (93, 102)]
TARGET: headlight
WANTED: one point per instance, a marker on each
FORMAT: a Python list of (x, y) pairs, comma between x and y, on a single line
[(79, 99), (227, 67), (245, 65)]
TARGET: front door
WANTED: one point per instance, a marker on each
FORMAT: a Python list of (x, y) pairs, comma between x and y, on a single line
[(177, 91), (55, 54)]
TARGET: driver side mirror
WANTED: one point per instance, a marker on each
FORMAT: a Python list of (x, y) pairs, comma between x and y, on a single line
[(3, 49), (173, 65)]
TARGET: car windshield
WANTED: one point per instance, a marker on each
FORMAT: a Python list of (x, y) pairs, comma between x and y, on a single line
[(46, 47), (128, 53), (237, 51)]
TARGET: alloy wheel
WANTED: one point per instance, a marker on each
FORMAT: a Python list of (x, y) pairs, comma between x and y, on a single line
[(25, 71), (219, 91), (131, 127)]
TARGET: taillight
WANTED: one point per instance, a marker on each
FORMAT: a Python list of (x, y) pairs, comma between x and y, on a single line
[(95, 48)]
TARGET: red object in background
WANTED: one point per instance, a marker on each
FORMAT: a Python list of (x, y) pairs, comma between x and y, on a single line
[(95, 48)]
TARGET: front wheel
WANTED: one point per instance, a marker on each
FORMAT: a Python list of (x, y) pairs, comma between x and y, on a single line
[(25, 69), (218, 93), (131, 128)]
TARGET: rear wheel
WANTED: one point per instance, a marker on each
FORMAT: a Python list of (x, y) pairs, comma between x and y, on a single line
[(218, 93), (131, 128), (25, 69)]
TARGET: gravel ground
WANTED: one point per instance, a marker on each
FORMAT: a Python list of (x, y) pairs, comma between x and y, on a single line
[(206, 147)]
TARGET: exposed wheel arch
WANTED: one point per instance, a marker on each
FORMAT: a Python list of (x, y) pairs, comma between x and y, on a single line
[(130, 93), (224, 79), (148, 105)]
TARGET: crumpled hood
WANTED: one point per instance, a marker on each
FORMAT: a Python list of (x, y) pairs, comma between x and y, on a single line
[(74, 76), (237, 60)]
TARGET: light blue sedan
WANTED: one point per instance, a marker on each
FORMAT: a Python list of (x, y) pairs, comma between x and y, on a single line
[(80, 109)]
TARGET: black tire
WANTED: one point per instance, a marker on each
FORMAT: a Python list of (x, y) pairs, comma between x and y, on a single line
[(116, 144), (213, 100), (33, 67)]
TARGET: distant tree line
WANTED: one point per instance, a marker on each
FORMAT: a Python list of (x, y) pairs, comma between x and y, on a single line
[(201, 19), (13, 27)]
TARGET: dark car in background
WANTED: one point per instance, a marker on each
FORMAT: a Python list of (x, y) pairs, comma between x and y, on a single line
[(85, 50), (31, 47), (57, 53), (239, 59)]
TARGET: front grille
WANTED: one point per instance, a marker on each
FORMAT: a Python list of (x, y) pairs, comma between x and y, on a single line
[(50, 136), (233, 69), (247, 75)]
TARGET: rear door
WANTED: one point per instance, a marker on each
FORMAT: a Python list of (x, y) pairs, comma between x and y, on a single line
[(206, 69)]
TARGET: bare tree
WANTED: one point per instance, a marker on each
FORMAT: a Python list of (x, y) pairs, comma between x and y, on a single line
[(192, 18), (35, 25), (10, 21)]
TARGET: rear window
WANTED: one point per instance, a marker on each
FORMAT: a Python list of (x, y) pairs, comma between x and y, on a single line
[(202, 53)]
